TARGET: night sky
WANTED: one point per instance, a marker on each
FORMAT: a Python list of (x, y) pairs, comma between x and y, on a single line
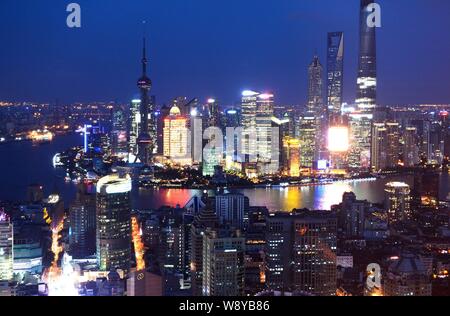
[(215, 48)]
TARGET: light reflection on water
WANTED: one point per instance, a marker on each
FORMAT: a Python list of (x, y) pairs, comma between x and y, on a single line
[(22, 164), (320, 197)]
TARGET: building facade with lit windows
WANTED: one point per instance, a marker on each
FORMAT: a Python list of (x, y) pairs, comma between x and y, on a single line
[(223, 263), (379, 141), (338, 146), (301, 252), (82, 218), (410, 148), (264, 114), (360, 140), (316, 106), (291, 154), (249, 105), (407, 276), (205, 220), (367, 67), (213, 113), (232, 209), (335, 74), (119, 138), (6, 247), (366, 93), (308, 140), (176, 138), (133, 126), (114, 223), (398, 201), (212, 158), (393, 144)]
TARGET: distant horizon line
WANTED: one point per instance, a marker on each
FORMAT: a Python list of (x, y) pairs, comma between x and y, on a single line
[(4, 103)]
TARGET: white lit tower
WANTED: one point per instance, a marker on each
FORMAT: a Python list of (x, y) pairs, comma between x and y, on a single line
[(366, 94)]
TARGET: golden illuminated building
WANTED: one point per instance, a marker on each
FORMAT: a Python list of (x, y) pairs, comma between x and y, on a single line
[(138, 244), (338, 146), (308, 140), (40, 136), (292, 156), (176, 145), (398, 200)]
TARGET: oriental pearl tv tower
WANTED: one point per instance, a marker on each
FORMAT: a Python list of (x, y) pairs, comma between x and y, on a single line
[(145, 141)]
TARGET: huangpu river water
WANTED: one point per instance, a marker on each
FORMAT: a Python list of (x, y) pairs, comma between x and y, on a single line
[(22, 163)]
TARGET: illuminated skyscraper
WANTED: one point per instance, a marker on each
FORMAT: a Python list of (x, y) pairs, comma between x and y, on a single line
[(445, 136), (291, 154), (423, 128), (366, 98), (114, 223), (410, 147), (316, 106), (335, 70), (385, 145), (196, 127), (315, 85), (134, 126), (232, 209), (308, 140), (366, 94), (119, 132), (393, 144), (213, 113), (352, 215), (212, 158), (212, 149), (147, 136), (378, 155), (398, 201), (248, 115), (232, 117), (82, 218), (223, 263), (360, 140), (301, 252), (205, 220), (264, 114), (6, 247), (281, 129), (338, 145), (176, 142)]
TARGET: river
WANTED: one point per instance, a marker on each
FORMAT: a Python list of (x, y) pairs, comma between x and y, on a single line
[(23, 163)]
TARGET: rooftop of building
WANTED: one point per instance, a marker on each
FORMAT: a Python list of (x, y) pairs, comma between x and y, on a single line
[(407, 264)]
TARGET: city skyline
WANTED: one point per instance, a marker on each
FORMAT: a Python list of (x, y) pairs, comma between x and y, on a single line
[(203, 66), (198, 197)]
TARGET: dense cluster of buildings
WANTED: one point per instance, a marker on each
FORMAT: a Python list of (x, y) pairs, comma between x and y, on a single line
[(257, 137), (221, 245)]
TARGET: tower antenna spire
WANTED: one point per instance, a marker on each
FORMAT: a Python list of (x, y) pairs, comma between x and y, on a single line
[(144, 48)]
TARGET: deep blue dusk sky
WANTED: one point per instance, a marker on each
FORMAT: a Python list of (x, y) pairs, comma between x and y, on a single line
[(215, 48)]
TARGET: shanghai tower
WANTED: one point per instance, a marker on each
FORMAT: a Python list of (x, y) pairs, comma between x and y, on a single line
[(145, 141), (366, 94), (367, 70)]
